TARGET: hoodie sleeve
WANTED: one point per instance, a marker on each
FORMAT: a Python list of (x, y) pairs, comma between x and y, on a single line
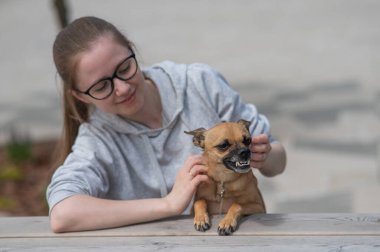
[(84, 170), (215, 91)]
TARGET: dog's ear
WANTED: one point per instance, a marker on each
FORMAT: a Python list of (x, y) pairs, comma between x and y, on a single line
[(244, 123), (198, 137)]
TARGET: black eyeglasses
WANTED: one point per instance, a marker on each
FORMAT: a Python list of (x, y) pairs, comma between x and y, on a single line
[(102, 89)]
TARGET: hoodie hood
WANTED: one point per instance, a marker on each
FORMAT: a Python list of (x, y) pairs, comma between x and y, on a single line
[(167, 76)]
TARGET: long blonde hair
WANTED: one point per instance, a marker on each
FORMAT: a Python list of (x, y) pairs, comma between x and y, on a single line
[(73, 40)]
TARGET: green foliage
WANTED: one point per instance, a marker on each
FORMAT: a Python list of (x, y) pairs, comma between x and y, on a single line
[(10, 172), (19, 151), (7, 203)]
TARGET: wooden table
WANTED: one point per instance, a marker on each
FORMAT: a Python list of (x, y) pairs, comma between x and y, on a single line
[(271, 232)]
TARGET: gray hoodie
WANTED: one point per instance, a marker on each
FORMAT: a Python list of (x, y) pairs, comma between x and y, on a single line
[(114, 158)]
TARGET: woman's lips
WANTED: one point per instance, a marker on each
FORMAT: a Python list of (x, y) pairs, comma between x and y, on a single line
[(129, 98)]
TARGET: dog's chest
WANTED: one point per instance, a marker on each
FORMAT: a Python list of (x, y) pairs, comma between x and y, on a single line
[(221, 197), (218, 190), (229, 189)]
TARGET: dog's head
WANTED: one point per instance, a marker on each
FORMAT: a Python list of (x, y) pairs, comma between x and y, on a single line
[(226, 143)]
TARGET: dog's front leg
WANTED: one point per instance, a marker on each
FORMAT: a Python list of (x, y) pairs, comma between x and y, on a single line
[(229, 223), (201, 218)]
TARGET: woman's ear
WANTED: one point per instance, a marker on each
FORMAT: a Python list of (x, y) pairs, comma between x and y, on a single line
[(78, 96)]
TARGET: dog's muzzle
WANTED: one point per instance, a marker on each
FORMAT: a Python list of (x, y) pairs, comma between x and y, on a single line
[(238, 160)]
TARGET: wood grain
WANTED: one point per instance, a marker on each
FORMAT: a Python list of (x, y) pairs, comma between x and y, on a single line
[(264, 232)]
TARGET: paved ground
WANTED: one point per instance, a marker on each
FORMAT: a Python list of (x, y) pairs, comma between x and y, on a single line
[(311, 66)]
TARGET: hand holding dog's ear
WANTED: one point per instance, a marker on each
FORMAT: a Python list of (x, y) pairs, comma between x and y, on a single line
[(260, 148), (192, 173)]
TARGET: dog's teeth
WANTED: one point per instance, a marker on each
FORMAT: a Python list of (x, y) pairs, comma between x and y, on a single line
[(242, 163)]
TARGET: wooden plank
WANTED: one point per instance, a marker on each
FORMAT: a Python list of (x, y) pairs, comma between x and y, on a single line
[(257, 225), (195, 243), (269, 232)]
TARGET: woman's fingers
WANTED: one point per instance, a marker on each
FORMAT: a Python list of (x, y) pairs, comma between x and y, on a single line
[(260, 148), (260, 139), (198, 169), (200, 178), (192, 161), (258, 157)]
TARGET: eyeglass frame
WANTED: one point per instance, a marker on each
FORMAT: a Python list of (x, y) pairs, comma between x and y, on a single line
[(114, 75)]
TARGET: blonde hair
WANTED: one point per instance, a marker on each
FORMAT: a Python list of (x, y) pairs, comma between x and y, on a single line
[(70, 43)]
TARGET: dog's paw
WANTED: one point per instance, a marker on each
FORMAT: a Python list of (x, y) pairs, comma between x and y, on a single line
[(227, 226), (202, 222)]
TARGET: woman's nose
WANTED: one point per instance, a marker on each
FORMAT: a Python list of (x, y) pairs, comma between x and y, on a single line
[(121, 87)]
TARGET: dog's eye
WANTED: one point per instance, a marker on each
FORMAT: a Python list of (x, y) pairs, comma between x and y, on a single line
[(247, 141), (223, 146)]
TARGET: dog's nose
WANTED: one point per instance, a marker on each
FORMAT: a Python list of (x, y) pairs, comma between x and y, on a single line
[(244, 153)]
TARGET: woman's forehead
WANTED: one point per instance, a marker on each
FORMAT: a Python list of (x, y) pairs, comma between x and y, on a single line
[(100, 60)]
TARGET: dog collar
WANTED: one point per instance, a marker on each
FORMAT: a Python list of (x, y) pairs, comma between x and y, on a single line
[(220, 190)]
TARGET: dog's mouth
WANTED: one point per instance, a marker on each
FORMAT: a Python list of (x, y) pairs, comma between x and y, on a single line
[(242, 163), (238, 166)]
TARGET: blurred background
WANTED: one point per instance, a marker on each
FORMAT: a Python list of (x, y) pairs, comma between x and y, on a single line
[(311, 66)]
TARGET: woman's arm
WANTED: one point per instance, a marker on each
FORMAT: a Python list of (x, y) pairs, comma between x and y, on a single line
[(83, 212), (269, 158)]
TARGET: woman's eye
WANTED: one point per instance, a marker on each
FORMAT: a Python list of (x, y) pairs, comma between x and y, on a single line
[(247, 141), (101, 86), (224, 146), (123, 69)]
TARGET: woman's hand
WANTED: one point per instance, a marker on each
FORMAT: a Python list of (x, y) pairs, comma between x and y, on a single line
[(268, 158), (260, 148), (188, 178)]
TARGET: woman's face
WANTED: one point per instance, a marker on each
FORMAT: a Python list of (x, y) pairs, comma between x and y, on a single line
[(104, 59)]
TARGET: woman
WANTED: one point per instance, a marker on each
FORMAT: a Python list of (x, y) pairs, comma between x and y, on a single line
[(125, 158)]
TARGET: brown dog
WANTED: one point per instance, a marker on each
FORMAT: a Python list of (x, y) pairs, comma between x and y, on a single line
[(233, 187)]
